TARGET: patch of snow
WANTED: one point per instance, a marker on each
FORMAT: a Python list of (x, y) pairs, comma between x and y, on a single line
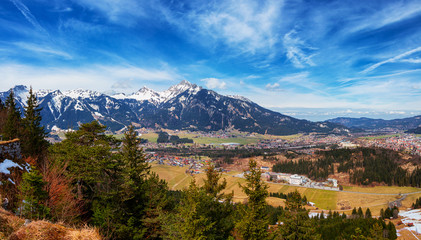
[(98, 114), (147, 94), (55, 128), (6, 164), (183, 86), (80, 93), (43, 92), (94, 106), (10, 180), (238, 97), (78, 106), (119, 96)]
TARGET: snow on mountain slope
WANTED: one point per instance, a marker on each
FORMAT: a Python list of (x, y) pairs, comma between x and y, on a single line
[(182, 106), (180, 88), (80, 93)]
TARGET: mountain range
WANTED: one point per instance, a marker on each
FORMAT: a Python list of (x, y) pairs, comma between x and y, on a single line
[(402, 124), (184, 106)]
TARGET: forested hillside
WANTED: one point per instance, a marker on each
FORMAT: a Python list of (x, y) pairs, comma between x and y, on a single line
[(364, 166)]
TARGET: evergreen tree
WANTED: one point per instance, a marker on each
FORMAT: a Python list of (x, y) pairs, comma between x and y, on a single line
[(376, 232), (296, 222), (33, 135), (135, 171), (205, 212), (12, 125), (367, 213), (34, 195), (254, 222), (360, 212), (86, 154), (3, 114)]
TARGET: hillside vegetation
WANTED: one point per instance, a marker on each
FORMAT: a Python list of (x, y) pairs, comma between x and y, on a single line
[(364, 166)]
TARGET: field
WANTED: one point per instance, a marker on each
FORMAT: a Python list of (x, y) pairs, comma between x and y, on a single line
[(239, 137), (380, 136), (363, 197)]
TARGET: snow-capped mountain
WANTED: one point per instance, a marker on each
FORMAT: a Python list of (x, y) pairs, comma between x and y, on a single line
[(182, 106)]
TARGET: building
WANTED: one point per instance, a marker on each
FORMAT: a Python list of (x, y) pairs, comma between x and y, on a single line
[(296, 179), (265, 169), (333, 181), (347, 145), (284, 177)]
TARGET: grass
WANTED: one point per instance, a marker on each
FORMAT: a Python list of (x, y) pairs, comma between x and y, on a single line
[(324, 199), (151, 137), (239, 137), (382, 189), (380, 136)]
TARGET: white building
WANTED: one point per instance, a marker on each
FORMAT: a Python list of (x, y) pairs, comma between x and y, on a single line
[(284, 177), (333, 181), (296, 179)]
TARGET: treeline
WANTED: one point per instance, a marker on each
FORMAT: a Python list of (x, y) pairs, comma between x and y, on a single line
[(216, 152), (364, 165), (417, 203), (295, 223), (164, 137)]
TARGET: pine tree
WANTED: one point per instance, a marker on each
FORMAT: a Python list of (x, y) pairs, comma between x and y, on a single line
[(367, 213), (382, 216), (86, 154), (135, 171), (205, 212), (12, 125), (360, 212), (3, 114), (33, 135), (34, 195), (254, 223), (296, 222), (135, 166)]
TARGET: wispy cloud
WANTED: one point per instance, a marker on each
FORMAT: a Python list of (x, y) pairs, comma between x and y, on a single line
[(247, 25), (298, 52), (94, 77), (214, 83), (391, 60), (123, 12), (273, 87), (42, 49), (393, 12), (28, 15)]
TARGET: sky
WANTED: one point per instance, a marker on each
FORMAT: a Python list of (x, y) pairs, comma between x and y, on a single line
[(308, 59)]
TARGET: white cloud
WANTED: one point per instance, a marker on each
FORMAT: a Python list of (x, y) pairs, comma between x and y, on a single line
[(28, 15), (391, 60), (245, 26), (394, 12), (411, 60), (298, 52), (273, 87), (95, 77), (124, 12), (214, 83), (42, 49)]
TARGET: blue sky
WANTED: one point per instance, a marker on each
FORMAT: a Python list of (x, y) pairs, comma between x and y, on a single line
[(310, 59)]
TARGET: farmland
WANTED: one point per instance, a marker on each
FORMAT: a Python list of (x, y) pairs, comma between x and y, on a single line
[(365, 197)]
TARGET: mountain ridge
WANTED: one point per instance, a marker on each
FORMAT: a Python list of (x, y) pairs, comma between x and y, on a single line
[(379, 124), (182, 106)]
